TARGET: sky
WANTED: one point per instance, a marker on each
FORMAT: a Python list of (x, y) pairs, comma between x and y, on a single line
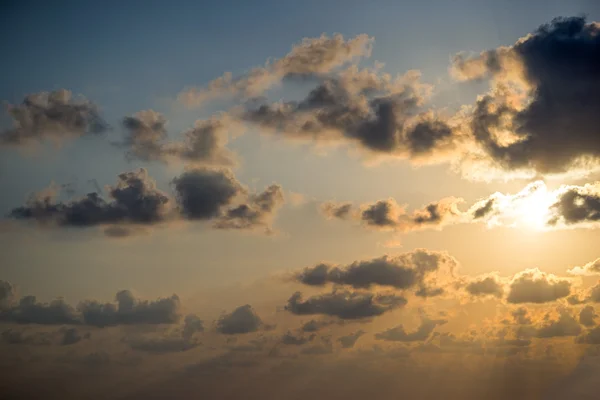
[(200, 197)]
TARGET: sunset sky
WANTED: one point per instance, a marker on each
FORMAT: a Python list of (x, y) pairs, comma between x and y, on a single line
[(293, 199)]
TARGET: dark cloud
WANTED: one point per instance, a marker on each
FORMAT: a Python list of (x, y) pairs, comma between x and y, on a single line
[(409, 270), (336, 210), (192, 324), (202, 193), (54, 115), (521, 316), (592, 336), (313, 325), (382, 214), (350, 340), (133, 200), (127, 311), (534, 286), (7, 294), (576, 205), (565, 325), (484, 210), (289, 339), (162, 345), (594, 294), (485, 286), (30, 311), (399, 334), (557, 126), (257, 212), (11, 336), (202, 145), (241, 320), (130, 311), (364, 108), (70, 336), (344, 304), (587, 316)]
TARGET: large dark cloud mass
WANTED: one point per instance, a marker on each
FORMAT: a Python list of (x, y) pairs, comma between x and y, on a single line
[(485, 286), (419, 269), (344, 304), (54, 115), (576, 205), (364, 108), (200, 194), (557, 67)]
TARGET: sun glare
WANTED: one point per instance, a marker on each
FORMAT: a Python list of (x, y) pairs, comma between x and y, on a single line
[(533, 210)]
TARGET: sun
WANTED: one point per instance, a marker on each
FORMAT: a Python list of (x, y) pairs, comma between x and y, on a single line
[(533, 211)]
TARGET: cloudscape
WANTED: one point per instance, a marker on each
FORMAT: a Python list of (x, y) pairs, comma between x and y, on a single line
[(329, 200)]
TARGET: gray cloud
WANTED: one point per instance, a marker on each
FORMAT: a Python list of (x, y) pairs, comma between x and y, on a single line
[(416, 269), (192, 324), (257, 212), (557, 66), (7, 294), (129, 310), (565, 325), (313, 325), (534, 286), (289, 339), (344, 304), (485, 286), (202, 193), (423, 332), (162, 345), (204, 144), (54, 115), (521, 316), (133, 200), (587, 316), (71, 336), (311, 57), (592, 336), (336, 210), (241, 320), (350, 340), (576, 205), (30, 311)]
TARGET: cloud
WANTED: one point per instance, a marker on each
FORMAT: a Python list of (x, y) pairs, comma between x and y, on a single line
[(350, 340), (535, 286), (521, 316), (365, 109), (576, 205), (55, 115), (130, 311), (30, 311), (314, 325), (192, 324), (7, 294), (565, 325), (421, 269), (204, 144), (291, 340), (310, 57), (422, 333), (544, 95), (592, 336), (257, 212), (241, 320), (485, 286), (387, 214), (336, 210), (162, 345), (202, 193), (591, 268), (133, 200), (344, 304), (71, 336), (587, 316)]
